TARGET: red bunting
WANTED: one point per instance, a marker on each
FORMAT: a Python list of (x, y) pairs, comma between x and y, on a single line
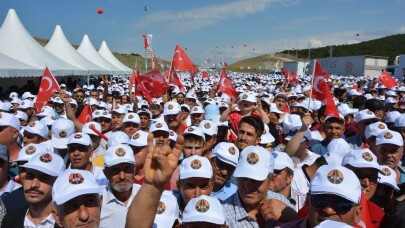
[(321, 91), (227, 86), (48, 86), (386, 79)]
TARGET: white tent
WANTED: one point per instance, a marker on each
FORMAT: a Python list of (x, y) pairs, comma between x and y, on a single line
[(16, 42), (87, 50), (10, 67), (60, 47), (106, 53)]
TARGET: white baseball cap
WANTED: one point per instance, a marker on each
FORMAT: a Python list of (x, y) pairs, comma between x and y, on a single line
[(266, 136), (7, 119), (336, 151), (118, 154), (391, 116), (204, 209), (361, 158), (27, 95), (26, 104), (62, 129), (291, 123), (13, 95), (48, 120), (167, 212), (375, 129), (29, 150), (139, 139), (37, 128), (120, 109), (145, 111), (58, 100), (336, 180), (72, 183), (353, 92), (226, 152), (80, 138), (400, 121), (21, 115), (197, 110), (388, 177), (389, 137), (365, 115), (171, 108), (46, 111), (15, 100), (117, 137), (195, 166), (186, 106), (345, 110), (282, 160), (208, 127), (247, 97), (159, 125), (191, 95), (332, 224), (172, 135), (47, 162), (255, 163), (132, 118), (193, 130), (87, 128)]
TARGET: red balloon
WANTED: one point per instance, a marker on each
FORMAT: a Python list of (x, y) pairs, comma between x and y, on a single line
[(357, 34), (100, 11)]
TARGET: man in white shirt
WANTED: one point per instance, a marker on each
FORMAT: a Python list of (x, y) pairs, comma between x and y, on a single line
[(119, 163)]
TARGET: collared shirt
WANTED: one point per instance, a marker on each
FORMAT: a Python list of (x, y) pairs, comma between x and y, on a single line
[(308, 160), (48, 222), (11, 186), (225, 192), (320, 148), (113, 211)]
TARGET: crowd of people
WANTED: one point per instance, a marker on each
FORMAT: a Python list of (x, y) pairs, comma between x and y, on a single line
[(198, 158)]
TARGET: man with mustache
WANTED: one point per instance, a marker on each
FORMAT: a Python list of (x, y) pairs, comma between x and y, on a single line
[(119, 169), (42, 171)]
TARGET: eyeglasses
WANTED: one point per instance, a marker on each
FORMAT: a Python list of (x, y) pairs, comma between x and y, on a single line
[(158, 134), (339, 204), (81, 148)]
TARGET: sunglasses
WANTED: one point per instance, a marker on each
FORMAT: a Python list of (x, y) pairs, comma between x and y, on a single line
[(339, 204), (80, 148), (158, 134), (371, 178)]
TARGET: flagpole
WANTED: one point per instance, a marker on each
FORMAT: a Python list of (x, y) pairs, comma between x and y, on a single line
[(312, 84), (146, 33)]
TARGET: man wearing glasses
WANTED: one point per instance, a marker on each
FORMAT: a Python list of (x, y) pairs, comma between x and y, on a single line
[(335, 194)]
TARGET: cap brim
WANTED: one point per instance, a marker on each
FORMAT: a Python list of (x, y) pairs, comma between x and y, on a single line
[(247, 172), (118, 161), (322, 189), (59, 143), (41, 168), (72, 194)]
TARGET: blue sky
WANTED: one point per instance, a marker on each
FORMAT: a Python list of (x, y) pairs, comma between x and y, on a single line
[(265, 26)]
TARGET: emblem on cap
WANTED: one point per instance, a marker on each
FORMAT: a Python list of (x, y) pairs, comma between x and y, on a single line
[(62, 134), (195, 109), (386, 171), (97, 113), (136, 136), (117, 107), (53, 118), (161, 208), (78, 136), (32, 124), (92, 126), (195, 164), (388, 135), (202, 206), (170, 106), (232, 150), (252, 158), (45, 158), (105, 113), (158, 125), (192, 95), (367, 156), (207, 125), (369, 112), (30, 150), (120, 152), (335, 176), (381, 126), (190, 129), (171, 133), (245, 96), (76, 178), (23, 103), (131, 116)]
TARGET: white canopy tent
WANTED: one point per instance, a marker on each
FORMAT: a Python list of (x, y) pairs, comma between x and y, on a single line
[(10, 67), (87, 50), (106, 53), (17, 43), (60, 47)]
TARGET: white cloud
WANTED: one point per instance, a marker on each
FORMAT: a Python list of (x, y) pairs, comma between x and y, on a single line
[(401, 29), (315, 43), (301, 22), (205, 16)]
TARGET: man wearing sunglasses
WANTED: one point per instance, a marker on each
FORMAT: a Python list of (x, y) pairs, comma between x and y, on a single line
[(335, 194)]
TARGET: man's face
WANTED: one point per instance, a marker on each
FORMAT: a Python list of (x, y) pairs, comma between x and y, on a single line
[(161, 138), (120, 176), (246, 136), (252, 192), (281, 180), (173, 121), (79, 156), (196, 118), (59, 108), (79, 97), (117, 120), (389, 154), (333, 130), (180, 98), (38, 187), (29, 137), (191, 102), (8, 135), (368, 178), (194, 187), (81, 211), (105, 124), (246, 106), (124, 100), (144, 121), (130, 128), (193, 147), (332, 207), (222, 171), (280, 103)]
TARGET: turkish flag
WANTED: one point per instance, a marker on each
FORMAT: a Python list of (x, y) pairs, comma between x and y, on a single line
[(174, 79), (290, 77), (48, 86), (321, 91), (152, 84), (85, 116), (227, 86), (387, 80), (133, 76), (205, 75), (182, 62)]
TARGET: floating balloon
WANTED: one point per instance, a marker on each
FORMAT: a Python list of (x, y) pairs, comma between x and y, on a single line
[(245, 45), (100, 11), (357, 34)]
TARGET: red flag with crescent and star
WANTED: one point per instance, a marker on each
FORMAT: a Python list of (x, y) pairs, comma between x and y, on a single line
[(182, 62), (227, 86), (205, 75), (321, 91), (48, 86), (386, 79), (150, 85), (174, 79), (85, 116)]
